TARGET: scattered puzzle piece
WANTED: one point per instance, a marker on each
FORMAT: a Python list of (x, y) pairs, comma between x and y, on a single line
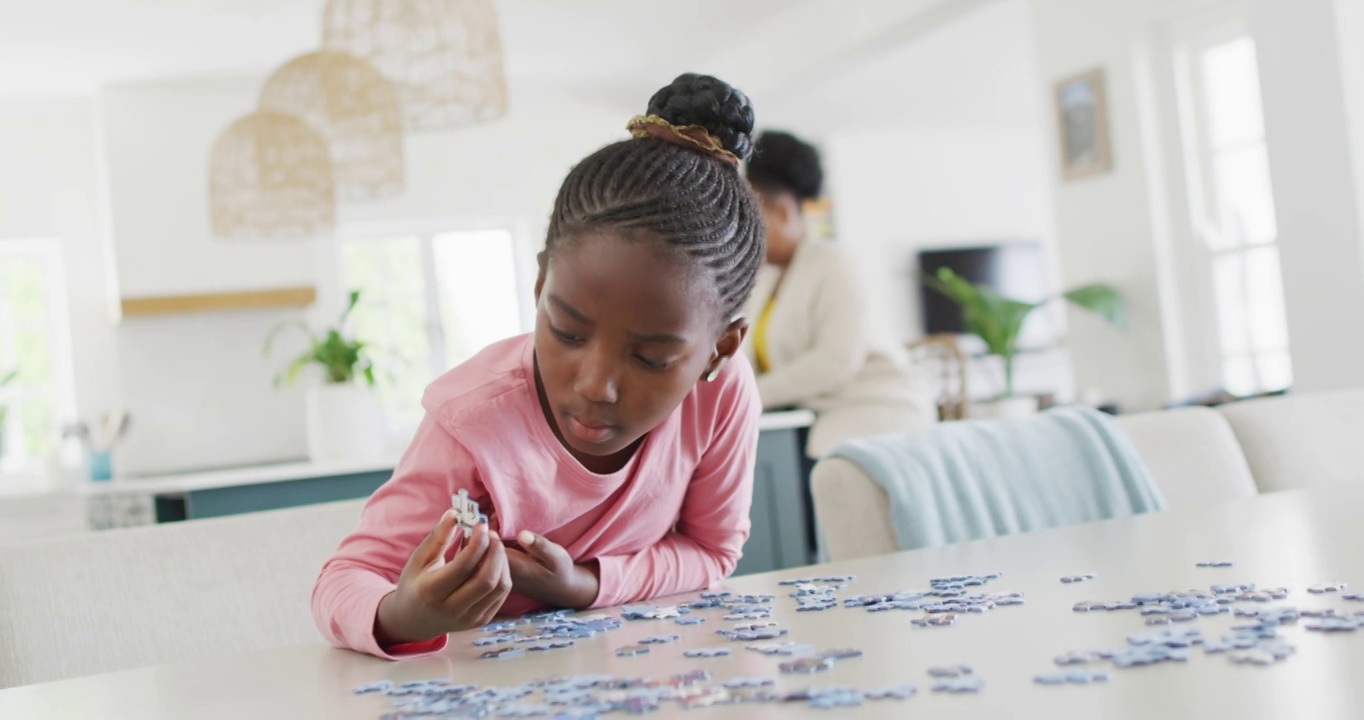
[(502, 653), (743, 682), (949, 671), (707, 652), (959, 685), (1327, 588), (896, 692), (782, 648), (806, 666)]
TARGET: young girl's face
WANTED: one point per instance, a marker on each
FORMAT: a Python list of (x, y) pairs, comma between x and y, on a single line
[(623, 331)]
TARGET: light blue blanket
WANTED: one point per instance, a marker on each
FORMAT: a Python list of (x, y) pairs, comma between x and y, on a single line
[(970, 480)]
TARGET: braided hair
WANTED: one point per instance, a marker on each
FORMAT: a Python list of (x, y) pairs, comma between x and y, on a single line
[(693, 202)]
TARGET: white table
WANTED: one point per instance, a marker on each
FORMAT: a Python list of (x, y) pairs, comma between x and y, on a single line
[(1294, 539)]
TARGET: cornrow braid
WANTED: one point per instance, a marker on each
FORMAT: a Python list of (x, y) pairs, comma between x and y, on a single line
[(695, 203)]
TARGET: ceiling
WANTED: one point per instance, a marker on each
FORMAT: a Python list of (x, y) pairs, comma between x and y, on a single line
[(72, 47), (979, 69)]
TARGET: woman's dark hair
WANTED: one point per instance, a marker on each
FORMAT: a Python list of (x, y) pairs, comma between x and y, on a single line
[(782, 161), (695, 202)]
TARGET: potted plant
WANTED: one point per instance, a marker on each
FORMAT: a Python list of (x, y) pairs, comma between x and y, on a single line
[(344, 416), (998, 320)]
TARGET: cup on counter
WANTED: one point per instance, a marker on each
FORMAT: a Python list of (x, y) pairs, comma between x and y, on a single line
[(101, 465)]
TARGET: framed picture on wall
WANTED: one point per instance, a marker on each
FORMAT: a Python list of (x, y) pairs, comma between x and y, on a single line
[(1082, 116)]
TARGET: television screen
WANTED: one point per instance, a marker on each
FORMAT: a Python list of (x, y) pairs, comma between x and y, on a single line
[(1014, 270)]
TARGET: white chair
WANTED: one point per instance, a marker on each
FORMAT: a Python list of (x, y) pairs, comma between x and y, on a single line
[(1300, 441), (1191, 453), (119, 599)]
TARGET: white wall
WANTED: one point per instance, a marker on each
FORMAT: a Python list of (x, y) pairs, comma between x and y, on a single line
[(197, 385), (510, 169), (935, 143), (977, 69), (897, 192), (157, 139), (198, 389), (1128, 225), (48, 189), (1311, 70), (1115, 227)]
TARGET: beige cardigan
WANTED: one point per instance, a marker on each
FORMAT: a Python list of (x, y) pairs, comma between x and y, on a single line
[(827, 356)]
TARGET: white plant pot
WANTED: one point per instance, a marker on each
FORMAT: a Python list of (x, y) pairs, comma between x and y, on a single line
[(345, 422), (1002, 408)]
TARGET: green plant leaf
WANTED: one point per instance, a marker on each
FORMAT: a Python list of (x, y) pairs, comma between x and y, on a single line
[(341, 359), (295, 368), (1102, 300), (997, 320), (9, 378), (345, 314)]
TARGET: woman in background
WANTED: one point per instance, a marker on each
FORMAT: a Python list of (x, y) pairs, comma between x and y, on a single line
[(814, 344)]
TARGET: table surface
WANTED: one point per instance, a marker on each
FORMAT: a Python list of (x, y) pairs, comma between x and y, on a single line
[(1293, 539), (285, 472)]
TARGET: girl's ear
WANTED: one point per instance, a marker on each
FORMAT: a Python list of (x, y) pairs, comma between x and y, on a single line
[(726, 347)]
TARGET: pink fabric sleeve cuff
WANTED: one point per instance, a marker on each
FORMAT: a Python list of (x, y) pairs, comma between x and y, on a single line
[(368, 596), (610, 569)]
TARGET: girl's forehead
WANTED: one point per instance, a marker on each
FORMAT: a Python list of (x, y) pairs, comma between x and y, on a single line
[(640, 279)]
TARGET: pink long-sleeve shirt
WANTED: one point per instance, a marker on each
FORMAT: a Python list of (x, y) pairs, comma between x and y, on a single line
[(674, 519)]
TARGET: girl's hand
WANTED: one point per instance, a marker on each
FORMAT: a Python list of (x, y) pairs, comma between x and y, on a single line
[(434, 597), (544, 571)]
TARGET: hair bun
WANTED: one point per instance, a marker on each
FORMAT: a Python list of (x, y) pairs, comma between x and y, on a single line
[(724, 111)]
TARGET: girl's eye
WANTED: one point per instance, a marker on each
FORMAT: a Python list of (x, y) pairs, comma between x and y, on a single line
[(653, 365), (565, 337)]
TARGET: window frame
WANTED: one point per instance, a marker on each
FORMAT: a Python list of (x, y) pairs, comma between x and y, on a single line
[(1198, 362), (524, 248), (26, 475)]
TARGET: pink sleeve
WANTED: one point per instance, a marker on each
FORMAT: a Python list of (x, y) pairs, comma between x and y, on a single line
[(397, 517), (713, 525)]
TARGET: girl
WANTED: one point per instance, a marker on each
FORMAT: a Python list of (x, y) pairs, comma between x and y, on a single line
[(612, 448)]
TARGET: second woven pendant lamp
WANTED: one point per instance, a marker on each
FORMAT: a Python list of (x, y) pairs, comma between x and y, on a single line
[(355, 109)]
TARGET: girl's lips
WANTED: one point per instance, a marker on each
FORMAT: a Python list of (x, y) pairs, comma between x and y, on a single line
[(590, 433)]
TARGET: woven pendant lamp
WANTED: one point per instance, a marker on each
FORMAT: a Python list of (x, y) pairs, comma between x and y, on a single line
[(270, 178), (353, 108), (444, 56)]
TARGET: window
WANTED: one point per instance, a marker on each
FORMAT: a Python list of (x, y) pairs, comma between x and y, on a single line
[(1232, 209), (35, 341), (430, 301)]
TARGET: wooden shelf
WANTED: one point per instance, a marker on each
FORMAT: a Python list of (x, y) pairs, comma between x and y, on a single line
[(219, 302)]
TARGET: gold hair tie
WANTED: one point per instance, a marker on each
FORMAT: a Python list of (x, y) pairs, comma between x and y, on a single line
[(692, 136)]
